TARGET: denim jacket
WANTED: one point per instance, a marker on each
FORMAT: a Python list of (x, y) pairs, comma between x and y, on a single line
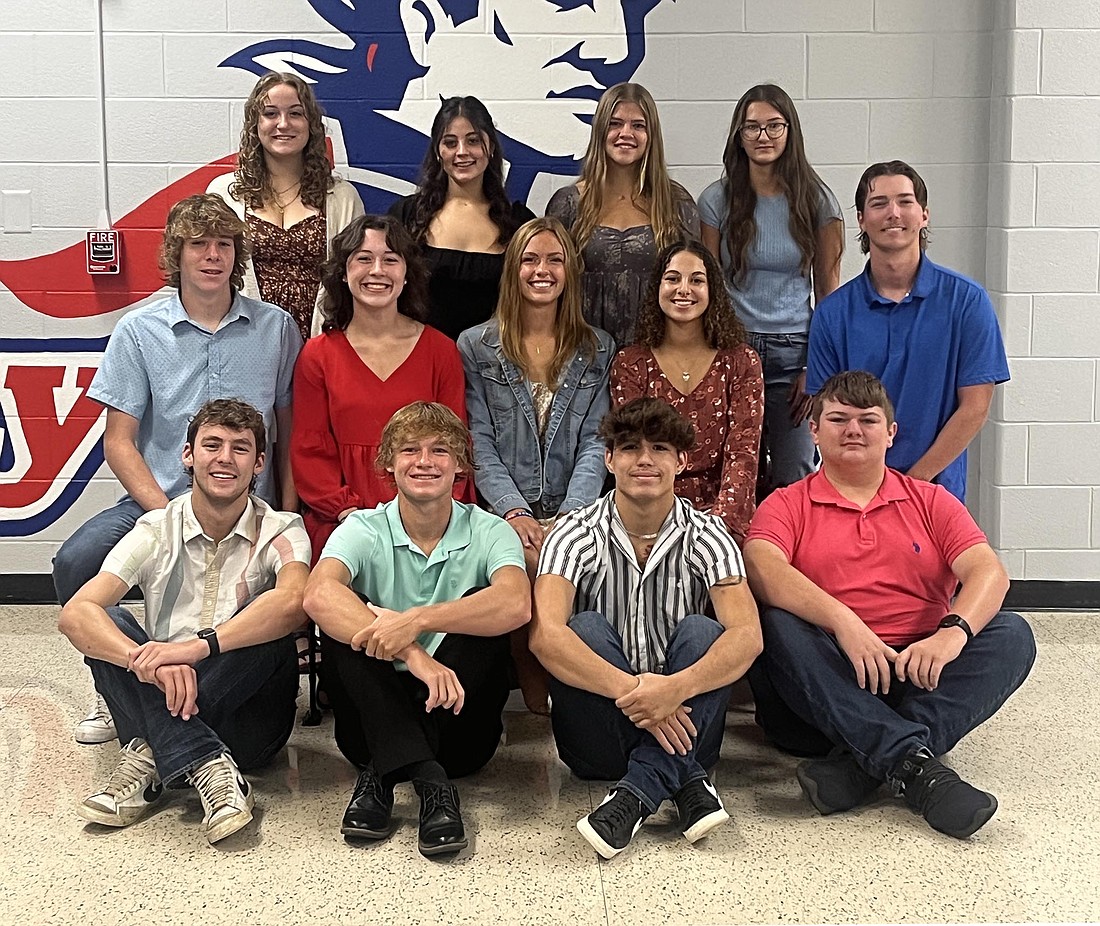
[(511, 471)]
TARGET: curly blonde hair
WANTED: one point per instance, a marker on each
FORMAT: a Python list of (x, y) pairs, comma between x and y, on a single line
[(199, 216), (252, 183)]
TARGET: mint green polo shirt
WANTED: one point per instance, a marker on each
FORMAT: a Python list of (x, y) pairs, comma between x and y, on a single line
[(388, 569)]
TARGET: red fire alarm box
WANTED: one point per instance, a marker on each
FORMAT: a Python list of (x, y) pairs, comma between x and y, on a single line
[(103, 252)]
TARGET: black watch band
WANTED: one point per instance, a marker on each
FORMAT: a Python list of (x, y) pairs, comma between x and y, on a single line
[(954, 620), (211, 637)]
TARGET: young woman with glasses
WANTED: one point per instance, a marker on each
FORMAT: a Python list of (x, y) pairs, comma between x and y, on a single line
[(778, 231)]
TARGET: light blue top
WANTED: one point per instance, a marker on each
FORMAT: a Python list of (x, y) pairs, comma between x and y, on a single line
[(513, 471), (774, 296), (389, 570), (160, 367)]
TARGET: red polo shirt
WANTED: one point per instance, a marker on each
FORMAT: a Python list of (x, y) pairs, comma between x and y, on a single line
[(889, 562)]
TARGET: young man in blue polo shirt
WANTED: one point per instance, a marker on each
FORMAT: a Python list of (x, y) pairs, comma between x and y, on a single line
[(415, 600), (205, 341), (928, 333)]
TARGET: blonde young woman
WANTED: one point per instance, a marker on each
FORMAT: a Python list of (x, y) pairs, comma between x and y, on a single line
[(284, 188), (536, 389), (624, 208)]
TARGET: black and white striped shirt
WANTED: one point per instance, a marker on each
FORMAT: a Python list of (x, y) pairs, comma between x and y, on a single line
[(589, 547)]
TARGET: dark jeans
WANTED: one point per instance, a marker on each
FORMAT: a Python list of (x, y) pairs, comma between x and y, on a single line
[(246, 705), (379, 712), (80, 557), (808, 698), (597, 740), (787, 451)]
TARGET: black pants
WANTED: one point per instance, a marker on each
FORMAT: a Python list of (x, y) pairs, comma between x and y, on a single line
[(379, 712)]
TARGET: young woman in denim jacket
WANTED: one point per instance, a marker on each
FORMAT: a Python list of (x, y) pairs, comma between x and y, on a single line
[(536, 389)]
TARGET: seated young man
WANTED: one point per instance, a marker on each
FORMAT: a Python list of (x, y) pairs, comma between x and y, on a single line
[(207, 685), (415, 600), (867, 647), (640, 677)]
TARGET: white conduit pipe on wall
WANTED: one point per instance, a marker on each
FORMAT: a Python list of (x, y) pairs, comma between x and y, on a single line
[(105, 209)]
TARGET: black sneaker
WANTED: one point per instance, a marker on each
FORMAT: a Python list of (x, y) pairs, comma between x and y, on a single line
[(370, 811), (946, 802), (611, 826), (441, 830), (836, 782), (700, 809)]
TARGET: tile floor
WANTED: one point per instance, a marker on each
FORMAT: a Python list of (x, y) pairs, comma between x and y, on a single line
[(775, 862)]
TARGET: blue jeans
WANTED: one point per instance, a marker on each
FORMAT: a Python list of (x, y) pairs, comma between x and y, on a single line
[(787, 451), (596, 740), (246, 705), (809, 671), (81, 556)]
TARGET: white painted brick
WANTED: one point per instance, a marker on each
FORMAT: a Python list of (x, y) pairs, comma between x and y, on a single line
[(21, 556), (694, 179), (164, 16), (1062, 565), (725, 66), (1015, 62), (30, 130), (932, 16), (1013, 561), (1069, 62), (1047, 390), (996, 272), (963, 64), (48, 65), (1066, 326), (1004, 453), (852, 66), (39, 241), (1000, 129), (1040, 518), (255, 15), (1014, 315), (961, 248), (133, 184), (133, 64), (835, 132), (1064, 454), (55, 16), (1096, 517), (1066, 195), (799, 16), (956, 193), (1055, 129), (1057, 14), (164, 130), (842, 180), (566, 135), (695, 133), (1044, 261), (1011, 195), (690, 15), (930, 131)]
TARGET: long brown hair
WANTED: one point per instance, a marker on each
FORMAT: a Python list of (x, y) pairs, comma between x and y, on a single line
[(653, 191), (573, 332), (798, 180), (252, 184)]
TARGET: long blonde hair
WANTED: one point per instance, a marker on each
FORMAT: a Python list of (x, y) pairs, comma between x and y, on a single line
[(653, 191), (573, 332)]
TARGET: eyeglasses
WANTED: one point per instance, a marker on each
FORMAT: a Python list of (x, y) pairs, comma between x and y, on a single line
[(751, 131)]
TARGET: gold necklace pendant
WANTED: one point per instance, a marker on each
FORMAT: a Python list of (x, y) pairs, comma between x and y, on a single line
[(686, 375)]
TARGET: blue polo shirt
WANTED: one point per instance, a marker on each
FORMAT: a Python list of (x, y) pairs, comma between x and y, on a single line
[(160, 367), (942, 336), (388, 569)]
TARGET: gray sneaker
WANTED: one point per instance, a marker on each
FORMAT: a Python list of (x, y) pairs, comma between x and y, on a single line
[(227, 797), (98, 726), (134, 786)]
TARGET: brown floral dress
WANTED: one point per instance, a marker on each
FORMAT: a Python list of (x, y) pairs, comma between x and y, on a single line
[(287, 262)]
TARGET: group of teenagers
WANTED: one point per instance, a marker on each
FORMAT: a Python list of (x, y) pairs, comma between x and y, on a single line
[(479, 449)]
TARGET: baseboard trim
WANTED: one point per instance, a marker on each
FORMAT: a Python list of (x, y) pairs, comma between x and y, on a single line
[(35, 588)]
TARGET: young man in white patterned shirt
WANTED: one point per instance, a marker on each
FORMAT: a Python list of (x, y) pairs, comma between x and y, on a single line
[(639, 676), (206, 685)]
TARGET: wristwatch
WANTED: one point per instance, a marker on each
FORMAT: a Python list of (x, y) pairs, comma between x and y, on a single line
[(211, 637), (954, 620)]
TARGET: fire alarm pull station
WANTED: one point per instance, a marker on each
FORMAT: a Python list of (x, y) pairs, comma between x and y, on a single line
[(103, 252)]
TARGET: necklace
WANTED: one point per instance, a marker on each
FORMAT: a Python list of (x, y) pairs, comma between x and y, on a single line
[(281, 206), (652, 536)]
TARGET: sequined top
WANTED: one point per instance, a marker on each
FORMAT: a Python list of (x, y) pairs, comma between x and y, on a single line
[(726, 409), (287, 262), (542, 398)]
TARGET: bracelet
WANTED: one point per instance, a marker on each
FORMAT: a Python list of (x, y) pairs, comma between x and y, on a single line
[(519, 514)]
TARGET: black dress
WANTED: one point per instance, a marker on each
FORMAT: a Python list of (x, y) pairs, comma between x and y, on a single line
[(463, 286)]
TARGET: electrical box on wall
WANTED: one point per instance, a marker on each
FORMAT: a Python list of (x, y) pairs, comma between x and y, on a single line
[(103, 252)]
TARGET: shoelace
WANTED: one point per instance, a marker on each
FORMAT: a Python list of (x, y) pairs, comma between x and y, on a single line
[(99, 711), (373, 786), (445, 799), (622, 810), (129, 772), (216, 781), (930, 778), (697, 799)]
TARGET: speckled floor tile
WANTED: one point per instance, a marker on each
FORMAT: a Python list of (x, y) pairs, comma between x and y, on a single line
[(776, 861)]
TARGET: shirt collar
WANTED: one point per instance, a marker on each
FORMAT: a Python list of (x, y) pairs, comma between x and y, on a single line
[(922, 285), (238, 309), (672, 526), (455, 537), (823, 492), (245, 527)]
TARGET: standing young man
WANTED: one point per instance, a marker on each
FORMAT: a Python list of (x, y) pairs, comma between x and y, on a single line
[(207, 684), (203, 342), (928, 333), (415, 600), (639, 676)]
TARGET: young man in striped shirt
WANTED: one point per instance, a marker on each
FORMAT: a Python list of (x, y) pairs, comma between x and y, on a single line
[(639, 676), (206, 684)]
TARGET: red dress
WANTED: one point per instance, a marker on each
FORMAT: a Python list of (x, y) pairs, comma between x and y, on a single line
[(726, 408), (340, 408)]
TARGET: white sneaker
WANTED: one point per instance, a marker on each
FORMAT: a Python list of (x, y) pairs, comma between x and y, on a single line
[(226, 797), (98, 726), (134, 786)]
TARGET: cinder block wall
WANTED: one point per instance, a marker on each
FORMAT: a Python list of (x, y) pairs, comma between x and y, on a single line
[(996, 102)]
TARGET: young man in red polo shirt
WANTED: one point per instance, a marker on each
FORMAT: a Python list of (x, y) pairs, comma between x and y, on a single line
[(867, 648)]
